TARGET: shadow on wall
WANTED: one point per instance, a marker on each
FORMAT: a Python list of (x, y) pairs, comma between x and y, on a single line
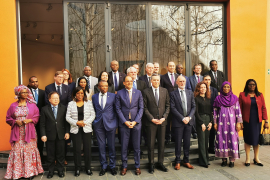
[(42, 61)]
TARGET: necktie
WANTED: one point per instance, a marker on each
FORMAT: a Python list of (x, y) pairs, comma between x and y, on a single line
[(198, 79), (183, 103), (215, 76), (88, 79), (172, 78), (54, 112), (101, 103), (134, 85), (115, 82), (58, 90), (149, 81), (156, 96), (36, 95)]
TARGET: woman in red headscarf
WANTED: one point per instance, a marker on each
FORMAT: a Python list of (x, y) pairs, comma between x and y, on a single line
[(24, 159)]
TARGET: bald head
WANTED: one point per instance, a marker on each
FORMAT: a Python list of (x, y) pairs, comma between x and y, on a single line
[(114, 66), (181, 82)]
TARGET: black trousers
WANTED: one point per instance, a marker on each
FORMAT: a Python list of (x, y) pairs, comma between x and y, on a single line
[(78, 139), (153, 133), (169, 131), (55, 152), (40, 144)]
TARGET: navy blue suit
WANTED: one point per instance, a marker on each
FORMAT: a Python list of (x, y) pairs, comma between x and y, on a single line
[(135, 108), (214, 94), (193, 82), (182, 130), (105, 125), (65, 97)]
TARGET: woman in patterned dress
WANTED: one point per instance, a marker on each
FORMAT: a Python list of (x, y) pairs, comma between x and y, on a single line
[(24, 159), (227, 119)]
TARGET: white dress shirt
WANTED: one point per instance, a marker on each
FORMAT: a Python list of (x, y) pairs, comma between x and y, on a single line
[(154, 91), (184, 93), (170, 77), (117, 77), (60, 87), (33, 90), (104, 99)]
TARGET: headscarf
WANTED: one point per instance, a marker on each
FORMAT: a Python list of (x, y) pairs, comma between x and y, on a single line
[(18, 90), (225, 99)]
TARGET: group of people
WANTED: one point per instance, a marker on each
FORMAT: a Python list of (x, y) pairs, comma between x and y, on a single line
[(169, 107)]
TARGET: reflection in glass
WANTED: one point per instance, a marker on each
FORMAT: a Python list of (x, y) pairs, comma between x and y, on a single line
[(86, 38), (168, 35), (128, 35), (206, 35)]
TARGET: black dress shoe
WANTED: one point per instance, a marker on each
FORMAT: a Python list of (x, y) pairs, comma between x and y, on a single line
[(259, 164), (61, 174), (162, 168), (77, 173), (247, 164), (224, 163), (102, 172), (50, 175), (151, 169), (231, 164), (89, 172), (113, 172), (194, 135), (206, 166)]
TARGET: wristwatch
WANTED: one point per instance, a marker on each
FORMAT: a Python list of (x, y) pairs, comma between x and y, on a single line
[(190, 117)]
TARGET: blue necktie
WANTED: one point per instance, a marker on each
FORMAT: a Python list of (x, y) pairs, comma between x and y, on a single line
[(134, 85), (88, 79), (101, 103), (58, 90), (115, 82), (36, 95), (54, 112)]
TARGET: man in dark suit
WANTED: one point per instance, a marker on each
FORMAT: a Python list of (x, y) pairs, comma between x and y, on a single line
[(179, 71), (214, 94), (137, 84), (156, 68), (156, 108), (168, 81), (115, 76), (182, 109), (58, 86), (147, 77), (194, 80), (54, 131), (217, 77), (39, 96), (129, 107), (105, 125)]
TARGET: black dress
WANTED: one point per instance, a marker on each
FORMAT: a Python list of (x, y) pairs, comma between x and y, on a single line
[(252, 129)]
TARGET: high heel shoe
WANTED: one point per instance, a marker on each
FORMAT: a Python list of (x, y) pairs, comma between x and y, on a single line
[(259, 164), (231, 165), (247, 164), (224, 163)]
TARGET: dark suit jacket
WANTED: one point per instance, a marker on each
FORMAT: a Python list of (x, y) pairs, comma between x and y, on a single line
[(41, 98), (51, 127), (177, 110), (152, 110), (123, 107), (145, 79), (65, 98), (214, 94), (165, 82), (110, 89), (107, 115), (220, 79), (193, 82), (121, 79)]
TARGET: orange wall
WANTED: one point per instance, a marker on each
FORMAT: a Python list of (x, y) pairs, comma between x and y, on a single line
[(8, 66)]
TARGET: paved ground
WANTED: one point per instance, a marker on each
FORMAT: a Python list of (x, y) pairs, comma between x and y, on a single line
[(215, 171)]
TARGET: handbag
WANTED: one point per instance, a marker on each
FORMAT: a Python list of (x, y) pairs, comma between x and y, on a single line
[(261, 138)]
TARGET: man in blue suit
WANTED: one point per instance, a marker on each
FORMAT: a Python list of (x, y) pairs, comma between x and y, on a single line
[(129, 107), (58, 86), (105, 125), (182, 109)]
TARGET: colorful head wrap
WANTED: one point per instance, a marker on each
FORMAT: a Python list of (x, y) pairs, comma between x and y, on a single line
[(18, 90)]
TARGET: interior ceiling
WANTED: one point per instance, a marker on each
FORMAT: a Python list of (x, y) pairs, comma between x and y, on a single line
[(43, 18)]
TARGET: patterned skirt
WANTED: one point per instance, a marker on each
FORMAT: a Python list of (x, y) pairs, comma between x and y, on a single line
[(24, 159)]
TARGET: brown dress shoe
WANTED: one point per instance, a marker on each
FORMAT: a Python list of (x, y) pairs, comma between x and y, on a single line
[(188, 165), (66, 163), (138, 171), (124, 171), (177, 166)]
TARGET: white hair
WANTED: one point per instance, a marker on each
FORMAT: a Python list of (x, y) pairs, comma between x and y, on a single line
[(149, 64), (130, 68)]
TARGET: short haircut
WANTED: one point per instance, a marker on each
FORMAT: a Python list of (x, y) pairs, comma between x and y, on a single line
[(149, 64), (130, 68), (77, 89), (115, 61), (58, 73), (169, 62), (155, 63), (155, 74), (181, 76), (51, 93), (101, 81), (207, 75), (31, 78), (87, 67), (211, 62), (179, 65), (197, 65)]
